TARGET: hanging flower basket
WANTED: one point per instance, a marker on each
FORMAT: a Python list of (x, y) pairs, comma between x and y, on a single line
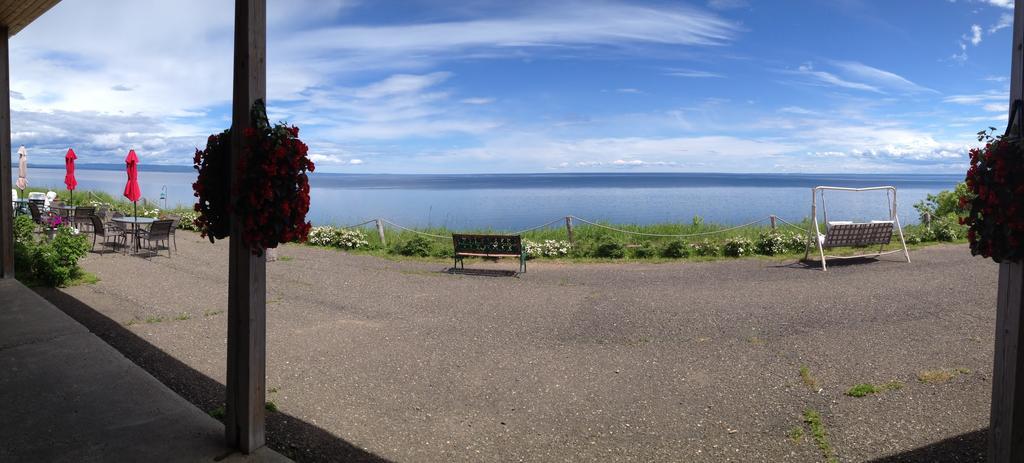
[(995, 184), (270, 187)]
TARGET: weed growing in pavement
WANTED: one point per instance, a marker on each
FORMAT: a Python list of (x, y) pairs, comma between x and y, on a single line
[(183, 316), (212, 312), (154, 319), (217, 413), (813, 420), (864, 389), (809, 381), (941, 375), (271, 406), (797, 433)]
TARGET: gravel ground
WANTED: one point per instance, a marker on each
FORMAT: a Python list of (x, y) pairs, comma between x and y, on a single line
[(371, 359)]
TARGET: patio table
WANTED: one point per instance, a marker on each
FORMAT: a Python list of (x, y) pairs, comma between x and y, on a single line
[(135, 222)]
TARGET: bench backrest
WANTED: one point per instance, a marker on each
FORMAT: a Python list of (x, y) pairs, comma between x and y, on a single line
[(488, 244), (857, 234)]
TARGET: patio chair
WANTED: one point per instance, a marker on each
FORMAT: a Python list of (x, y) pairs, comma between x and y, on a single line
[(159, 232), (107, 232), (41, 218), (175, 220), (83, 217)]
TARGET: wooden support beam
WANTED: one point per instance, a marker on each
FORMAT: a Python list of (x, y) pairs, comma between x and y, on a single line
[(6, 214), (247, 279), (1006, 428)]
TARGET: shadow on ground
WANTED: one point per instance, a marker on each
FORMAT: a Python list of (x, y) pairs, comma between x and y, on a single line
[(290, 436), (965, 448), (480, 272)]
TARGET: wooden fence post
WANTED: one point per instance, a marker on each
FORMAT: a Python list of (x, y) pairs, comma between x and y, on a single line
[(245, 402), (568, 229), (773, 221), (1006, 425), (380, 232)]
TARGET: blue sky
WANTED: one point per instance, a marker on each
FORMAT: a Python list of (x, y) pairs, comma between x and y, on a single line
[(481, 86)]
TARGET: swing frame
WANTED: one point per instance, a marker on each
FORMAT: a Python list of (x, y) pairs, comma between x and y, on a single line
[(868, 233)]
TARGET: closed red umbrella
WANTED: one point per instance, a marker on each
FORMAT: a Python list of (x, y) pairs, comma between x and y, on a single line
[(131, 189), (69, 174)]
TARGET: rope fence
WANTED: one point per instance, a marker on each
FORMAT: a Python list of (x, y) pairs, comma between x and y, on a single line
[(568, 223)]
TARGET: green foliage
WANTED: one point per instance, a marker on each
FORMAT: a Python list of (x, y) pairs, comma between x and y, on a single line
[(738, 247), (23, 227), (943, 203), (608, 248), (697, 221), (771, 243), (416, 246), (947, 228), (704, 248), (675, 249), (865, 389), (645, 250), (813, 420), (53, 262)]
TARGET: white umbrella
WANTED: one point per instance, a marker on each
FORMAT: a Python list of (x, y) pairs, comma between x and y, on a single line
[(22, 169)]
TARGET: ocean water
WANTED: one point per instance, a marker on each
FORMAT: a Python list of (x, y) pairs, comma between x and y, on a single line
[(517, 201)]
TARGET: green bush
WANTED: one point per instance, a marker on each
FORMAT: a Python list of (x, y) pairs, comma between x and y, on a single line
[(23, 228), (943, 203), (416, 246), (947, 228), (645, 250), (54, 262), (912, 238), (675, 249), (771, 243), (738, 246), (704, 248), (608, 248)]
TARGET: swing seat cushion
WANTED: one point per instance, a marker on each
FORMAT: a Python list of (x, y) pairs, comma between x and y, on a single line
[(857, 234)]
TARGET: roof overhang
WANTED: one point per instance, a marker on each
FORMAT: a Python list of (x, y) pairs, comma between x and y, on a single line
[(16, 14)]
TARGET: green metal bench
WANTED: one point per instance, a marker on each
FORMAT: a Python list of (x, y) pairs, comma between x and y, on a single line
[(488, 246)]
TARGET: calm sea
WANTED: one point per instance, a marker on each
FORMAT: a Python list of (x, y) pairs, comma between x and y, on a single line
[(517, 201)]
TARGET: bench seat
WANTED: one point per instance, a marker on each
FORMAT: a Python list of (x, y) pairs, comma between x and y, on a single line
[(488, 246)]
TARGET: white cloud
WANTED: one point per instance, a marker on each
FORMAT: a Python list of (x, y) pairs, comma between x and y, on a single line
[(401, 84), (1008, 4), (477, 100), (629, 90), (975, 37), (978, 98), (827, 78), (880, 77), (1005, 20), (693, 73)]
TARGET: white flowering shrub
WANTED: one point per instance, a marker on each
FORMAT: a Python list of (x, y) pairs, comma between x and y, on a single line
[(188, 221), (704, 248), (738, 247), (337, 237), (547, 248)]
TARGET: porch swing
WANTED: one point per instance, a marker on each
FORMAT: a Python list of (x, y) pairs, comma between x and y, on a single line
[(844, 233)]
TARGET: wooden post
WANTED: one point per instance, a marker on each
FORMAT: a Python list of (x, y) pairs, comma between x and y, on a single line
[(247, 279), (772, 217), (1006, 428), (380, 232), (6, 214), (568, 229)]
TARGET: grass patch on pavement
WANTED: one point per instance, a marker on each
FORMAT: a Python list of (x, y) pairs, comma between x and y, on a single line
[(796, 434), (271, 406), (217, 413), (865, 389), (154, 319), (941, 375), (212, 312), (813, 420), (183, 316), (808, 380)]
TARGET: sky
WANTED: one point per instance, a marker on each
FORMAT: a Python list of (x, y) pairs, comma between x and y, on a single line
[(476, 86)]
